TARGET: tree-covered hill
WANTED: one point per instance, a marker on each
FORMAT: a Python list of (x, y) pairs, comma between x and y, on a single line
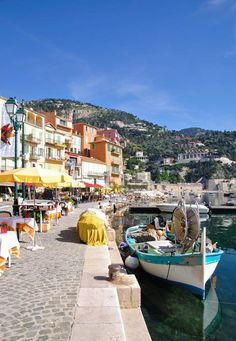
[(155, 141)]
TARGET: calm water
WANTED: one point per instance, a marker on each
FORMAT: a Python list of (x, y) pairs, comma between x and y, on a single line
[(172, 313)]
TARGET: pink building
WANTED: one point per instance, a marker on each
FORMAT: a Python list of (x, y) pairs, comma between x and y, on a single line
[(110, 134)]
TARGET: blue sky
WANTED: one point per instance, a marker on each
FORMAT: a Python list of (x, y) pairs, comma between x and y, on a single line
[(172, 62)]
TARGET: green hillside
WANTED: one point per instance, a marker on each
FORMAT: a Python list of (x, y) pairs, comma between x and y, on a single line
[(155, 141)]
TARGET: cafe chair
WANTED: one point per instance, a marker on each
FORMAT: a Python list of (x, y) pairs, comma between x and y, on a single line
[(5, 214)]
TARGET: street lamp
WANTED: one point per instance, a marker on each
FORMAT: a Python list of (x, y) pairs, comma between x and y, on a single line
[(17, 118)]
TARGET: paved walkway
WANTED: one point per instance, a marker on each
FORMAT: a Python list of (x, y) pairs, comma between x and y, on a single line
[(38, 293)]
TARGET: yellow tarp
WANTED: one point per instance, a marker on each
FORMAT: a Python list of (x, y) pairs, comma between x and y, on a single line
[(92, 229)]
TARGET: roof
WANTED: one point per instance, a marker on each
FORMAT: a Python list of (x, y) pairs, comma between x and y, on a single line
[(107, 141), (85, 124), (89, 159)]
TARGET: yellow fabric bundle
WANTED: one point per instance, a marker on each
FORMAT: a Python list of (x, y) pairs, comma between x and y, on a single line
[(92, 229)]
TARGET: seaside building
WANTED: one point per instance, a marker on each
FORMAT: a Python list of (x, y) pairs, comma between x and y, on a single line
[(34, 139), (111, 154), (54, 148), (58, 137), (93, 172), (74, 158), (88, 134)]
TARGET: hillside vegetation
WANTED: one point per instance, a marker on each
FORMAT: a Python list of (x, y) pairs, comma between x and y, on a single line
[(155, 141)]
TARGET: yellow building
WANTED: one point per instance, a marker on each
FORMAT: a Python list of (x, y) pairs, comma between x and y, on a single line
[(34, 139), (54, 148)]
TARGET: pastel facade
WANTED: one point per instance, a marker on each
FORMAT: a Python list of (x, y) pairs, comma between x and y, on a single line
[(112, 155), (93, 171), (34, 139), (88, 134)]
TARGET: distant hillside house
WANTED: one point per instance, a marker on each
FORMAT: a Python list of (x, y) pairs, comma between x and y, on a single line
[(193, 155), (139, 156), (119, 124)]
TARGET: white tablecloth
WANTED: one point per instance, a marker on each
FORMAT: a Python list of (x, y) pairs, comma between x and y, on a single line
[(12, 221), (7, 242)]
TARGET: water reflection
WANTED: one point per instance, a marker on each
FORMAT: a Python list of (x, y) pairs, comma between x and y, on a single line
[(172, 313)]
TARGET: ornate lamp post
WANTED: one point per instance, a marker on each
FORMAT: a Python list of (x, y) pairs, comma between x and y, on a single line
[(17, 118)]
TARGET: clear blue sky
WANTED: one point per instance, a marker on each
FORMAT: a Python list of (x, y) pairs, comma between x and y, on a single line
[(172, 62)]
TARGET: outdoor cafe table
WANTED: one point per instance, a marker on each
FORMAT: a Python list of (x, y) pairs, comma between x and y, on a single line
[(27, 225), (9, 244)]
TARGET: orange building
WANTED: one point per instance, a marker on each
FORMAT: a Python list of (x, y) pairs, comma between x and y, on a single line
[(112, 154), (88, 134)]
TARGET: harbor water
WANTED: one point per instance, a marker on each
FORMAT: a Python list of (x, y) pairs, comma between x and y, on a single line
[(173, 313)]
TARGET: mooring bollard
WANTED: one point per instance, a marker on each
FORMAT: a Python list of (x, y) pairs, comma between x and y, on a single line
[(114, 271)]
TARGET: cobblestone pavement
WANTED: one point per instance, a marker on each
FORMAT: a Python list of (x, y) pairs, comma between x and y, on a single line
[(38, 293)]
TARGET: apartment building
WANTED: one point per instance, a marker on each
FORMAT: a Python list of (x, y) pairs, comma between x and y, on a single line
[(93, 171), (34, 139), (54, 148), (73, 156), (88, 134), (111, 154)]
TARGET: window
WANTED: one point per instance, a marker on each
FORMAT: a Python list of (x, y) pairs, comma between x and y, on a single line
[(62, 123), (93, 146)]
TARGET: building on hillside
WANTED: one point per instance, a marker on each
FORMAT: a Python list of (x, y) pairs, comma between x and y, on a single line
[(112, 155), (193, 155), (88, 134), (93, 171), (110, 134), (139, 156), (119, 124)]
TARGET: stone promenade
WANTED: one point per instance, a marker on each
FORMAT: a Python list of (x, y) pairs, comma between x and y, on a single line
[(38, 293)]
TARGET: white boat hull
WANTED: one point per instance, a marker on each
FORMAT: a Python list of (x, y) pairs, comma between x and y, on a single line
[(186, 275)]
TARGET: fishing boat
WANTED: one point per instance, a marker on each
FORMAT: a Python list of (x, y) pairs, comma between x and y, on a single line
[(169, 207), (184, 257)]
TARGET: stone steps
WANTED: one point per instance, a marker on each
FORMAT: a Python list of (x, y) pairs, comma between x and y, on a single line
[(107, 310)]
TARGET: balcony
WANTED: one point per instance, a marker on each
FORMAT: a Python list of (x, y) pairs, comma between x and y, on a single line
[(59, 144), (55, 158), (35, 156), (49, 140), (32, 138), (115, 163), (95, 174), (114, 152), (68, 142), (115, 174)]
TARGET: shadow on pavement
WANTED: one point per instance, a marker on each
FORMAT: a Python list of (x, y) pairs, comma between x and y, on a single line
[(69, 235)]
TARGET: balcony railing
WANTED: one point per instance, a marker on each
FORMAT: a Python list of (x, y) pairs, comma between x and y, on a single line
[(95, 174), (115, 174), (115, 163), (114, 152), (53, 157), (32, 138), (35, 156)]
